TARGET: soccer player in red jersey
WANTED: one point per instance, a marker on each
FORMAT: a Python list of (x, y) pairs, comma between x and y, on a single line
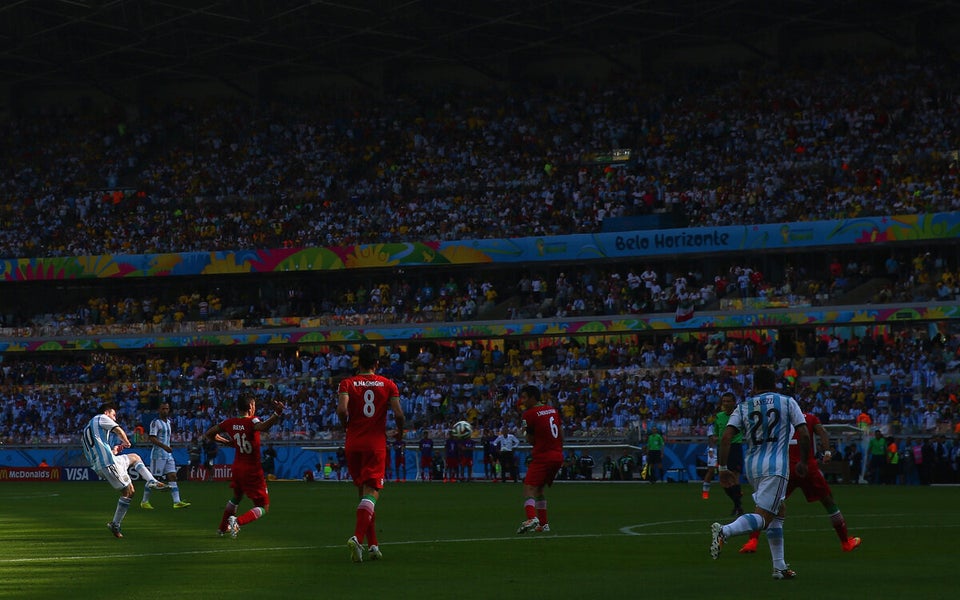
[(363, 400), (543, 430), (814, 486), (243, 434)]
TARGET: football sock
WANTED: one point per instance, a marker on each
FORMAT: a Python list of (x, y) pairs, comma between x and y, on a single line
[(372, 531), (706, 487), (144, 472), (530, 507), (541, 505), (146, 494), (251, 515), (229, 510), (775, 540), (364, 515), (838, 522), (175, 491), (744, 523), (122, 505)]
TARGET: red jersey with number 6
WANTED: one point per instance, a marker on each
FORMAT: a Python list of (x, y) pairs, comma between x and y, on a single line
[(543, 422), (367, 410)]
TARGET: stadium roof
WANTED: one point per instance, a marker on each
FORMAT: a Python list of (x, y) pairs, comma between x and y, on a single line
[(48, 43)]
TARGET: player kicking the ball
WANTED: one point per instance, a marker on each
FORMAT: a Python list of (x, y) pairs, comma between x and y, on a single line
[(106, 460), (542, 428)]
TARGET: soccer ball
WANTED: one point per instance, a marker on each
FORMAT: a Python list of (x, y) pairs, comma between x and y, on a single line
[(462, 430)]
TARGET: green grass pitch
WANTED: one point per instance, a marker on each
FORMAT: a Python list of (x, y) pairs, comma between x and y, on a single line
[(458, 541)]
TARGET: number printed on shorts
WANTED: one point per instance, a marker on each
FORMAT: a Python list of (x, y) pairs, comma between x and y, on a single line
[(756, 431)]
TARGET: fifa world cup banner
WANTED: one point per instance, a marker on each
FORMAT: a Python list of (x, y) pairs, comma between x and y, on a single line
[(30, 474)]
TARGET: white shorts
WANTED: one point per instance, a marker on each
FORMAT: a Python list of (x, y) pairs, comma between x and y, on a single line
[(163, 466), (770, 492), (117, 474)]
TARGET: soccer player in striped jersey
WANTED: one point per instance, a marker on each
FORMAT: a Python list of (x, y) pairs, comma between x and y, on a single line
[(104, 457), (814, 485), (161, 457), (767, 420)]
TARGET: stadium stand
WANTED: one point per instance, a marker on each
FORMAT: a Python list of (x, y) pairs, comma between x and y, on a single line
[(812, 141)]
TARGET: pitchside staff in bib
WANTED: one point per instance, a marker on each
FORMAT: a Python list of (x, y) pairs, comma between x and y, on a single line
[(767, 420), (543, 429), (105, 458)]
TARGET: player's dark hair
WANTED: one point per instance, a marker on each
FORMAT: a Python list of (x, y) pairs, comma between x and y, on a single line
[(107, 406), (368, 356), (764, 379), (531, 391), (243, 403)]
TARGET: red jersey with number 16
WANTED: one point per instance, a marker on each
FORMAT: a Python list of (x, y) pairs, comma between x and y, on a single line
[(543, 422), (367, 410), (246, 443)]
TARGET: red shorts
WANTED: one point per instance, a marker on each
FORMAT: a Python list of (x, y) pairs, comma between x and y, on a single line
[(367, 467), (251, 485), (542, 472), (814, 486), (426, 461)]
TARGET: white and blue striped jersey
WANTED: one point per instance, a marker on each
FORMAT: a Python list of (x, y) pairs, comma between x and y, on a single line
[(767, 421), (160, 428), (95, 440)]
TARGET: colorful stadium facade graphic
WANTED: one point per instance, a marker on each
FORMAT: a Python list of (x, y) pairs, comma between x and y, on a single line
[(579, 247), (616, 325)]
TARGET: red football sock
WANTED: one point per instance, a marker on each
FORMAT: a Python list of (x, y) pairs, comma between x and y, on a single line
[(372, 531), (530, 508), (364, 517)]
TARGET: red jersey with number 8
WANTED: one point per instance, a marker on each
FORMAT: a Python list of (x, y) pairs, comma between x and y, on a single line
[(367, 410)]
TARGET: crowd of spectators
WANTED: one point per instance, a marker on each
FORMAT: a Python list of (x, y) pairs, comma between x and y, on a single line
[(859, 137), (612, 390), (557, 292), (863, 138)]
